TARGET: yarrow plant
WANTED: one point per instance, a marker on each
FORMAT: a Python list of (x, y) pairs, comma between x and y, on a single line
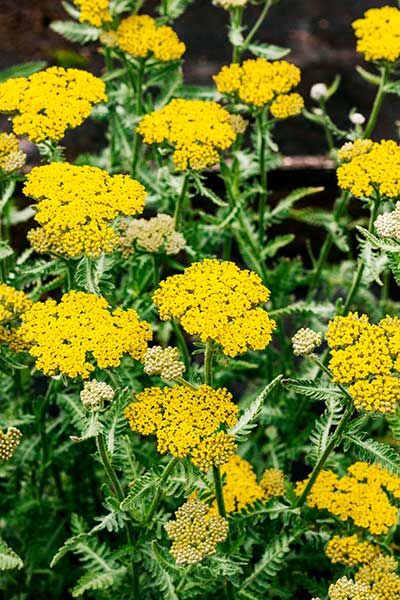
[(197, 401)]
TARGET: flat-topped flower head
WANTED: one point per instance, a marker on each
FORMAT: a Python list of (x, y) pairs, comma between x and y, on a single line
[(347, 589), (186, 421), (378, 34), (370, 168), (13, 304), (230, 4), (77, 206), (367, 358), (155, 234), (351, 550), (140, 36), (364, 495), (195, 533), (216, 300), (261, 83), (95, 12), (80, 332), (48, 103), (197, 130), (380, 577)]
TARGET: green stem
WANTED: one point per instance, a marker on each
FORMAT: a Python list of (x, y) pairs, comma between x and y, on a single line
[(119, 494), (180, 201), (219, 494), (113, 113), (256, 26), (182, 344), (263, 176), (158, 495), (333, 442), (236, 15), (138, 112), (41, 418), (361, 265), (370, 126), (208, 363)]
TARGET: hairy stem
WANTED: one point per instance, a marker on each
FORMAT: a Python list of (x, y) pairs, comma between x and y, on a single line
[(263, 176), (180, 201)]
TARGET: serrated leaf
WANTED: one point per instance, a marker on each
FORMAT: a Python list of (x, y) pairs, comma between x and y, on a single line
[(8, 558), (320, 435), (276, 244), (282, 210), (206, 192), (5, 250), (97, 581), (370, 450), (142, 484), (247, 421), (322, 310), (22, 70), (269, 51), (317, 390), (367, 76), (80, 33)]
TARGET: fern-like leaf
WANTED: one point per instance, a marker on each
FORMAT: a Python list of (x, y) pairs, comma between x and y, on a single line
[(267, 567), (249, 419), (320, 435), (97, 581), (80, 33), (370, 450), (317, 390), (8, 558)]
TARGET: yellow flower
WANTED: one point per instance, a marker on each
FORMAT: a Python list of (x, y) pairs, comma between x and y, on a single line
[(259, 82), (350, 550), (347, 589), (240, 485), (51, 101), (13, 304), (198, 130), (287, 105), (76, 207), (139, 36), (362, 496), (272, 482), (378, 34), (95, 12), (381, 578), (218, 301), (367, 357), (184, 420), (214, 450), (370, 167), (80, 332), (195, 533)]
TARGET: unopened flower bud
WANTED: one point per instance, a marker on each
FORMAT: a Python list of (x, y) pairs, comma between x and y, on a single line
[(305, 341), (164, 362), (95, 394), (9, 442), (318, 91), (357, 118)]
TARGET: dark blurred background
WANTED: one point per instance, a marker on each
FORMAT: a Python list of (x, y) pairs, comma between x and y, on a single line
[(318, 32)]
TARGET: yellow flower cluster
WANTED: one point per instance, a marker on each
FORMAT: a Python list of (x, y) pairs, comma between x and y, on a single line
[(13, 304), (95, 12), (377, 34), (140, 36), (195, 533), (350, 550), (367, 357), (371, 168), (11, 157), (218, 301), (80, 332), (381, 578), (9, 442), (51, 101), (198, 130), (352, 149), (272, 482), (241, 488), (260, 82), (185, 421), (77, 206), (361, 495)]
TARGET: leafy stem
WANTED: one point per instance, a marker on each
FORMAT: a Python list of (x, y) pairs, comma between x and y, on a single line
[(261, 126), (158, 495), (256, 26), (180, 200)]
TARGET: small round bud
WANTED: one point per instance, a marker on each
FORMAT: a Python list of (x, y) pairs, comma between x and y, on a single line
[(164, 362), (238, 123), (109, 39), (318, 91), (318, 111), (95, 394), (9, 442), (357, 118), (305, 341)]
